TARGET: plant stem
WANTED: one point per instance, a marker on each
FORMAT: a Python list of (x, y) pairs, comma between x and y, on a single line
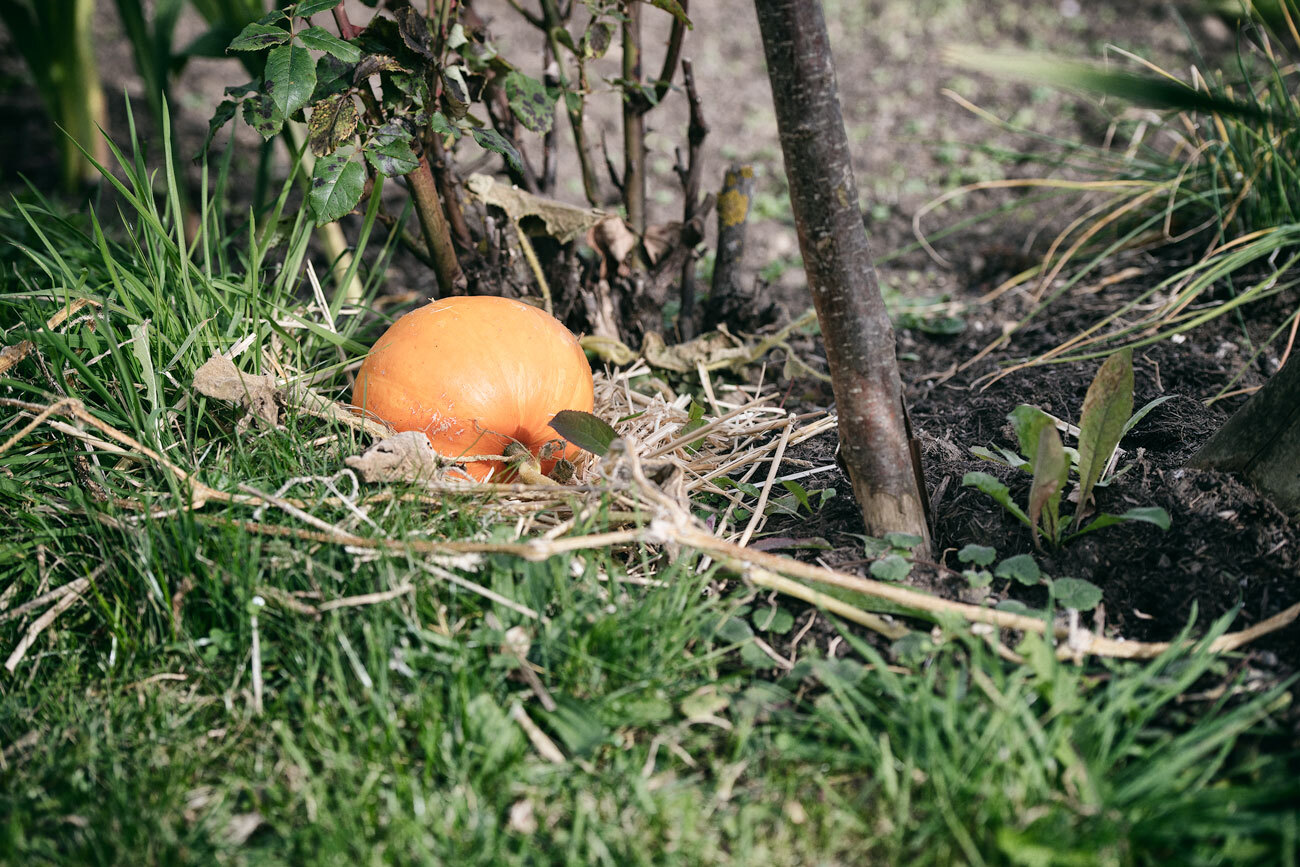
[(552, 21), (690, 177), (330, 235), (859, 336), (437, 235), (633, 119)]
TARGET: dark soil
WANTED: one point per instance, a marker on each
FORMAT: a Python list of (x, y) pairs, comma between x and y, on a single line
[(1227, 548)]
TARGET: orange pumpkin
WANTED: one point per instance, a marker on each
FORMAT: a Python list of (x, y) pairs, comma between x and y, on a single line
[(474, 373)]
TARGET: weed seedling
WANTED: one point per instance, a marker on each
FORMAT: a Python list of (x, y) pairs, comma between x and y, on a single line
[(1107, 414)]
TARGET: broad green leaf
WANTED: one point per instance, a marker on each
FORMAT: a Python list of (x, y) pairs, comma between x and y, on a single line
[(494, 141), (584, 430), (1076, 593), (1028, 423), (891, 568), (332, 122), (1106, 409), (531, 104), (986, 484), (393, 159), (978, 577), (1022, 568), (903, 541), (256, 37), (336, 185), (1146, 514), (1051, 469), (980, 555), (308, 8), (261, 113), (290, 78), (320, 39), (673, 8)]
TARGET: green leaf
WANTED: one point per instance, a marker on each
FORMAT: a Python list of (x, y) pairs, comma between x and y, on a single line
[(1160, 92), (891, 568), (261, 114), (978, 577), (1076, 593), (320, 39), (256, 37), (1022, 568), (1004, 457), (307, 8), (393, 159), (903, 541), (290, 78), (531, 104), (576, 724), (1051, 469), (225, 111), (776, 620), (1001, 495), (492, 140), (1106, 409), (438, 123), (584, 430), (336, 185), (673, 8), (800, 494), (1142, 413), (1146, 514), (332, 122), (1028, 422), (980, 555)]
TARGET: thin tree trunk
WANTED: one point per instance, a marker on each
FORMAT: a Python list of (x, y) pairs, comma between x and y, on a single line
[(1262, 440), (859, 336)]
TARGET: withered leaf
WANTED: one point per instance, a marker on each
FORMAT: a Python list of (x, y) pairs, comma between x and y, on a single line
[(406, 456), (219, 379), (333, 121)]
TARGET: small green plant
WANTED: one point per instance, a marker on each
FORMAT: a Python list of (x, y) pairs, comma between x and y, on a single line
[(1106, 415)]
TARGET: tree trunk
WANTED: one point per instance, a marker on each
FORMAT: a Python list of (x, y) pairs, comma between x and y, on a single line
[(859, 337), (1262, 440)]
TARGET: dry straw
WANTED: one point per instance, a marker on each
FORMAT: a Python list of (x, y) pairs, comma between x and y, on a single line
[(645, 492)]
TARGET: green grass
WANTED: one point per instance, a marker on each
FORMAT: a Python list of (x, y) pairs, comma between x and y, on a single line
[(131, 731), (1205, 190)]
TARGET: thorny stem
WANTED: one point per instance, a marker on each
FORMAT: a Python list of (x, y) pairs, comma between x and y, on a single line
[(347, 29)]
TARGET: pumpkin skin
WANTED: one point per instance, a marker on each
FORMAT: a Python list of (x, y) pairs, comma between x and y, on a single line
[(473, 373)]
